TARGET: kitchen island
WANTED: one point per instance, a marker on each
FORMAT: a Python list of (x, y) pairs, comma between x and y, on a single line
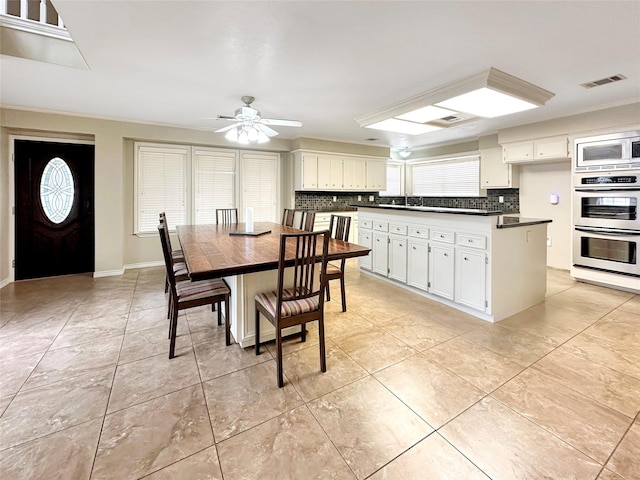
[(484, 263)]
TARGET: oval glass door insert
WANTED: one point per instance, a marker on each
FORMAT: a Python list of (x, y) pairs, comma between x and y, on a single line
[(57, 190)]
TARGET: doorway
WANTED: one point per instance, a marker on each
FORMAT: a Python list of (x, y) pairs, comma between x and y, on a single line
[(54, 209)]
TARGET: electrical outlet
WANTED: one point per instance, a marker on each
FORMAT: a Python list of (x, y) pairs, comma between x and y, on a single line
[(359, 198), (548, 241), (500, 199), (371, 198), (335, 199)]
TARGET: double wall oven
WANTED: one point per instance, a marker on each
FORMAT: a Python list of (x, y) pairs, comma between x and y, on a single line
[(606, 204)]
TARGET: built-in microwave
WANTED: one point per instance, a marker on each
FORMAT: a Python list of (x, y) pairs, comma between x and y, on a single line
[(620, 151)]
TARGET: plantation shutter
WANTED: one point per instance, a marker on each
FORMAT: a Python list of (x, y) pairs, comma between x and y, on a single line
[(394, 181), (214, 182), (161, 187)]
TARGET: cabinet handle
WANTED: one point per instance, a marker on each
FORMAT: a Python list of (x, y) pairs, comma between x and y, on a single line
[(441, 236), (470, 240), (417, 233), (446, 254), (466, 258), (400, 244), (414, 248)]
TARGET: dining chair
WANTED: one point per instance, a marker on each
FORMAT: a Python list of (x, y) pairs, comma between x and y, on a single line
[(187, 294), (179, 265), (339, 229), (300, 219), (302, 299), (226, 216)]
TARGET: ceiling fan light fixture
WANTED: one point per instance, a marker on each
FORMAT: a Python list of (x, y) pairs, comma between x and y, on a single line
[(404, 152), (232, 135)]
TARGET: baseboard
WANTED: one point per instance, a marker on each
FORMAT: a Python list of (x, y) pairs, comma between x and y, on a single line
[(5, 282), (132, 266), (108, 273)]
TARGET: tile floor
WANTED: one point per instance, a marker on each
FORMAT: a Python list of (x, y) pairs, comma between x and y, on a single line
[(413, 389)]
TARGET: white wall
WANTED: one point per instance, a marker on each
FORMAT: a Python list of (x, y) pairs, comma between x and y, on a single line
[(537, 182)]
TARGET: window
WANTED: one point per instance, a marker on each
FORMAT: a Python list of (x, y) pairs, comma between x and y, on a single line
[(57, 190), (446, 177), (214, 182), (189, 183), (161, 174), (395, 180)]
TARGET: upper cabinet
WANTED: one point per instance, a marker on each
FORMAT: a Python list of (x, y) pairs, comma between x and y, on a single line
[(549, 149), (494, 173), (338, 172)]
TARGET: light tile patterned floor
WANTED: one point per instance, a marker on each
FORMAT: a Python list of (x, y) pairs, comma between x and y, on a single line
[(413, 389)]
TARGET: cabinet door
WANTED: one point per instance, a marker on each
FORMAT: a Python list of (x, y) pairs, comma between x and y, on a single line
[(471, 284), (380, 254), (336, 173), (309, 172), (398, 258), (324, 172), (365, 238), (418, 264), (376, 175), (518, 152), (441, 271), (494, 173), (553, 147), (354, 174)]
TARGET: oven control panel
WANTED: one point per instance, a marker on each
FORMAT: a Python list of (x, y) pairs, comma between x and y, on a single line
[(606, 180)]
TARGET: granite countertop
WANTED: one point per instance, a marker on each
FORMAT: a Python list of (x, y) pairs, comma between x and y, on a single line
[(458, 211), (507, 221)]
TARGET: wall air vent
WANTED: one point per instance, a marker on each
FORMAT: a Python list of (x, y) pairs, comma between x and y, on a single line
[(603, 81)]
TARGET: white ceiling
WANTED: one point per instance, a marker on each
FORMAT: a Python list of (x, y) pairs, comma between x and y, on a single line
[(326, 63)]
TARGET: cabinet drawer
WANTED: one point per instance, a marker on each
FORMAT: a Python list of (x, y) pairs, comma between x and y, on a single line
[(442, 236), (381, 226), (365, 223), (398, 229), (419, 232), (474, 241)]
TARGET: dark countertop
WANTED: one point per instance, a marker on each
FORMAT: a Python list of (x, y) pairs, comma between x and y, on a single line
[(458, 211), (506, 221)]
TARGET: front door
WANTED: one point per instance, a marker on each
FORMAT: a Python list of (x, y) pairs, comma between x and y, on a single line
[(54, 185)]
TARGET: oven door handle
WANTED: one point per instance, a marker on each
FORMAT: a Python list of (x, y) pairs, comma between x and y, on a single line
[(609, 231), (595, 189)]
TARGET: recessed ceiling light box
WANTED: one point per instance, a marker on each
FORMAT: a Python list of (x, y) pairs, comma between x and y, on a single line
[(488, 94)]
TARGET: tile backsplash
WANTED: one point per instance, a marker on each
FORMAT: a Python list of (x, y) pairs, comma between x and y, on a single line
[(323, 201)]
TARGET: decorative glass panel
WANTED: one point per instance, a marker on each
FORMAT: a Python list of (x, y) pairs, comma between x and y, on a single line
[(57, 190)]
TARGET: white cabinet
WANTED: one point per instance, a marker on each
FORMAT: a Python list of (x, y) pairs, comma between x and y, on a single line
[(365, 238), (380, 253), (418, 263), (376, 175), (441, 269), (354, 173), (494, 173), (329, 172), (398, 258), (538, 150), (471, 278), (322, 171)]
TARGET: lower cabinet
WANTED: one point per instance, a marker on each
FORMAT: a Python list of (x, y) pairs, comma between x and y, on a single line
[(471, 275), (418, 264), (441, 270), (380, 253), (398, 258)]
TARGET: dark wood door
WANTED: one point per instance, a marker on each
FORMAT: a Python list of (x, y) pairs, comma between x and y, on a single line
[(54, 214)]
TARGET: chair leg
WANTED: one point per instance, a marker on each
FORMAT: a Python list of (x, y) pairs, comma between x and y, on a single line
[(174, 328), (323, 353), (343, 293), (169, 309), (227, 321), (279, 357), (219, 314), (328, 292), (303, 333), (257, 337)]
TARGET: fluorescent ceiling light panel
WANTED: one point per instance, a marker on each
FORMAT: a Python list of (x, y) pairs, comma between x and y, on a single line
[(401, 126), (425, 114), (486, 102)]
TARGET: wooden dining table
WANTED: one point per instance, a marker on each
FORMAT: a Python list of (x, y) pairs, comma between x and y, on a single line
[(247, 262)]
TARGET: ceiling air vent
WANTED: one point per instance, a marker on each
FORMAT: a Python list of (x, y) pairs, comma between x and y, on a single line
[(452, 119), (603, 81)]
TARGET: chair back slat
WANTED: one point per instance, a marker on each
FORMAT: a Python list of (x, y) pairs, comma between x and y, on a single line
[(226, 216), (163, 221), (339, 227), (300, 219)]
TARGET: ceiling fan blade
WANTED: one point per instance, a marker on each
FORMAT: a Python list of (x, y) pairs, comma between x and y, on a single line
[(283, 123), (222, 117), (269, 132), (229, 127)]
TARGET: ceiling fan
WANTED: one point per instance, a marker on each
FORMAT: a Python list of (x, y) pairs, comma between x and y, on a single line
[(249, 126)]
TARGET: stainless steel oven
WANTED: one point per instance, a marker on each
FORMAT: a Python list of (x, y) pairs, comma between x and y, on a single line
[(606, 221), (611, 250), (608, 200), (620, 151)]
